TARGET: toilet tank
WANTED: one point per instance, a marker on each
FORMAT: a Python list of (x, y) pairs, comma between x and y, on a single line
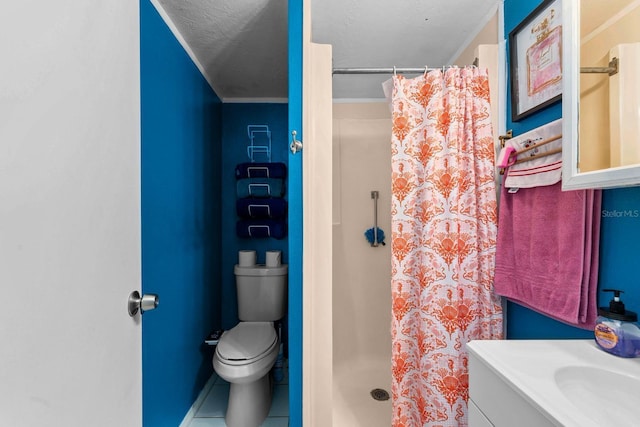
[(262, 292)]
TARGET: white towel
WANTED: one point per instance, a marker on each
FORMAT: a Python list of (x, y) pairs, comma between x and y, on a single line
[(538, 172)]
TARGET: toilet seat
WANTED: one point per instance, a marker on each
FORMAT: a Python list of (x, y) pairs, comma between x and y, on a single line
[(246, 343)]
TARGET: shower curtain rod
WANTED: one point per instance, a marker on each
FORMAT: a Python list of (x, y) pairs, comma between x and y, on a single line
[(611, 69), (391, 70)]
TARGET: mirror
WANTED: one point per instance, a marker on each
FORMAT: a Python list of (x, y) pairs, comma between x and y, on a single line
[(601, 104)]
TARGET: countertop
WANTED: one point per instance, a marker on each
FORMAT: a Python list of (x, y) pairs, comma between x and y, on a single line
[(572, 382)]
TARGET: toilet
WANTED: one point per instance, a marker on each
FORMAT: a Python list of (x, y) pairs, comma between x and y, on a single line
[(246, 353)]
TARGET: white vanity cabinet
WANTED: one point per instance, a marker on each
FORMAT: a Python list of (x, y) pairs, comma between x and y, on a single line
[(476, 417), (494, 402), (541, 383)]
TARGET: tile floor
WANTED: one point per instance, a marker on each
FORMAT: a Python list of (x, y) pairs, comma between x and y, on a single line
[(211, 411)]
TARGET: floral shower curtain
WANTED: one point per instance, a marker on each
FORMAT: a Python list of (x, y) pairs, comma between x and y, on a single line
[(444, 229)]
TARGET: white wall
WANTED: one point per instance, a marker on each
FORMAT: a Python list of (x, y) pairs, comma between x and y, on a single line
[(362, 274), (317, 261)]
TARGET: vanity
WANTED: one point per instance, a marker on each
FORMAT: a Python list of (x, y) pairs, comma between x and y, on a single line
[(538, 383)]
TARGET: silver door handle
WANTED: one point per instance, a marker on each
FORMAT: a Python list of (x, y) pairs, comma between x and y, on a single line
[(145, 303)]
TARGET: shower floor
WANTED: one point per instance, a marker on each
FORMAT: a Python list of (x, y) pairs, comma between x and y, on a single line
[(353, 405)]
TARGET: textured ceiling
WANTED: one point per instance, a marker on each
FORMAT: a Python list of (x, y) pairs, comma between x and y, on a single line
[(408, 33), (241, 45)]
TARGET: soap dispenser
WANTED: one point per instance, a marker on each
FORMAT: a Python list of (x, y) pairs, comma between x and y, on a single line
[(616, 331)]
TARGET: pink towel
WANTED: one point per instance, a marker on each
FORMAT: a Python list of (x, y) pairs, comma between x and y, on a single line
[(506, 157), (547, 251), (539, 171)]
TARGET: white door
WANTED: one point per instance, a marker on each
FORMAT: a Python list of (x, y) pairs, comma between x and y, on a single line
[(70, 355)]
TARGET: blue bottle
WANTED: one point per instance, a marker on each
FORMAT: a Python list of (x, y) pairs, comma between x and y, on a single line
[(616, 331)]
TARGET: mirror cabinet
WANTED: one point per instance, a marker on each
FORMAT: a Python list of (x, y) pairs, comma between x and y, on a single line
[(601, 103)]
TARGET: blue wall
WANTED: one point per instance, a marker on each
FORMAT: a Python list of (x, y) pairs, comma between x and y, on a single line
[(620, 228), (181, 211), (235, 119)]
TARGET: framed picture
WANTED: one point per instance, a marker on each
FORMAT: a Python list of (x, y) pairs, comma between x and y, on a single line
[(535, 52)]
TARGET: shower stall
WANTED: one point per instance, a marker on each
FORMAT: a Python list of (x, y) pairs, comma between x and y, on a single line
[(347, 281), (361, 272), (361, 289)]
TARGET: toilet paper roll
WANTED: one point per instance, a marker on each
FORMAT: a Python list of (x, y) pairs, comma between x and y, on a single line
[(246, 258), (273, 258)]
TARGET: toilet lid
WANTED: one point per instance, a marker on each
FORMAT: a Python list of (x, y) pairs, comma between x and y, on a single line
[(247, 340)]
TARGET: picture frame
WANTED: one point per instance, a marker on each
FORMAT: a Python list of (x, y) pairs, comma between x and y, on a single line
[(535, 54)]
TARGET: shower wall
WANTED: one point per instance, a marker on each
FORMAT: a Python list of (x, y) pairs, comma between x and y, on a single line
[(361, 273)]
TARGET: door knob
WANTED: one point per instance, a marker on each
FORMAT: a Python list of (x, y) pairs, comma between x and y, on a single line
[(145, 303)]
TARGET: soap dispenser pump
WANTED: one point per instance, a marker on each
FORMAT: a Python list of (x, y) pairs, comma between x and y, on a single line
[(616, 331)]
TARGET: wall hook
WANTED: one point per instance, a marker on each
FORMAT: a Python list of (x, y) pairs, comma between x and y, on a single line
[(295, 144)]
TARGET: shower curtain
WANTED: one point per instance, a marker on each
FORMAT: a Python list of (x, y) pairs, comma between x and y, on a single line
[(444, 229)]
